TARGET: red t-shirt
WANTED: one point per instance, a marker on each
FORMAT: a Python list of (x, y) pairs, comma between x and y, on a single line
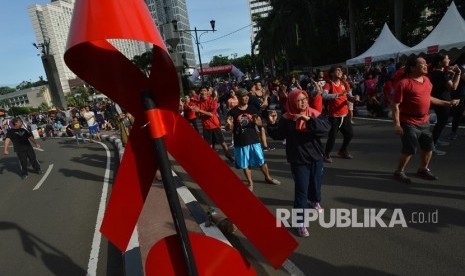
[(188, 113), (415, 100), (337, 107), (316, 103), (398, 75), (370, 86), (388, 91), (209, 105)]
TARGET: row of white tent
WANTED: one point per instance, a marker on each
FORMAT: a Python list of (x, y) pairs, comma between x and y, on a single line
[(448, 34)]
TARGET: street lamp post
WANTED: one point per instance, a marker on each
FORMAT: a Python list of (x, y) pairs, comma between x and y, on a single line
[(212, 24)]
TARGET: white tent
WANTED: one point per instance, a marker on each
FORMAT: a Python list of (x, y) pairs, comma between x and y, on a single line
[(448, 34), (386, 46)]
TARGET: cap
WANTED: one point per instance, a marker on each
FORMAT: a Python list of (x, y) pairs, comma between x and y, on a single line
[(241, 92)]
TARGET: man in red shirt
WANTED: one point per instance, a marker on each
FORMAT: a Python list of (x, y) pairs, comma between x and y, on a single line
[(207, 108), (410, 113), (335, 93), (189, 114)]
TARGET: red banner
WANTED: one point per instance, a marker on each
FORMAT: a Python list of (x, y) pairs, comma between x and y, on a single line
[(368, 60), (217, 70), (433, 49)]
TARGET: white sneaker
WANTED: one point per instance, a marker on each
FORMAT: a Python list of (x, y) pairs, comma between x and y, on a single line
[(438, 152), (442, 143), (302, 232), (317, 207)]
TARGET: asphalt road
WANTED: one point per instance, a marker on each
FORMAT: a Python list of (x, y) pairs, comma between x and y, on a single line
[(366, 182), (49, 231), (48, 227)]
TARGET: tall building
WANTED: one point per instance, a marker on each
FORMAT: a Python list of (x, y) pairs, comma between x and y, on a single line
[(51, 23), (257, 8), (163, 13)]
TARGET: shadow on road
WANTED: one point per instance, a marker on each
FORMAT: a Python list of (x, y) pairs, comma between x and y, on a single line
[(56, 261)]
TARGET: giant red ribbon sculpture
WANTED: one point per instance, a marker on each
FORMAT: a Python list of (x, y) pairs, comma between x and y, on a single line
[(100, 64)]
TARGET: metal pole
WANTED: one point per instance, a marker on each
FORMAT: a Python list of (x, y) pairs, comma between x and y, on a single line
[(198, 51), (170, 190)]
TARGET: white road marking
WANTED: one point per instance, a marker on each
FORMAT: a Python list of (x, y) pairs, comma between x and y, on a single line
[(292, 268), (94, 253), (32, 147), (50, 167)]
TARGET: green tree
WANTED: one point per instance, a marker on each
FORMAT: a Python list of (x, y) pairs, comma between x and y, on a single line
[(219, 60), (43, 107), (21, 110), (244, 63), (143, 62), (4, 103), (6, 90), (315, 32)]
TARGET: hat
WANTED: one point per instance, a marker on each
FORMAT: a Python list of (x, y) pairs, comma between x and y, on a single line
[(241, 92), (15, 120)]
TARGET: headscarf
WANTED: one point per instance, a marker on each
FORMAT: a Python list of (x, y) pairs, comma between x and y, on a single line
[(293, 110)]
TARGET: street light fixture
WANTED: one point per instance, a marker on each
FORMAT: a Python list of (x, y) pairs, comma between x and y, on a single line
[(197, 37)]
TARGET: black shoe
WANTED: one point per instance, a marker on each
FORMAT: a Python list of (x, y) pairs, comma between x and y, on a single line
[(426, 174), (24, 176), (230, 158), (402, 177), (269, 148), (345, 155)]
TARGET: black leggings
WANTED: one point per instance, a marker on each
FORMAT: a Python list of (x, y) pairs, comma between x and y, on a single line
[(442, 114), (343, 124), (457, 113), (28, 154)]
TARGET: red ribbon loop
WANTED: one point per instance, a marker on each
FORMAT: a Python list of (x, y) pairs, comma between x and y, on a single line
[(99, 63)]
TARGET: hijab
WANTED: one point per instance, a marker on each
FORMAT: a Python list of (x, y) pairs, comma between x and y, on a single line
[(293, 110)]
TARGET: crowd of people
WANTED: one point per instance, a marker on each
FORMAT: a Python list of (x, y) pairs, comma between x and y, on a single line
[(23, 130), (304, 111)]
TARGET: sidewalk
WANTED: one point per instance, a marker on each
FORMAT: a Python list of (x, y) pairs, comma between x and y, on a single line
[(155, 221)]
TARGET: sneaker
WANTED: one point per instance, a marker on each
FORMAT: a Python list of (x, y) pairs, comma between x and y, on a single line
[(402, 177), (426, 174), (40, 172), (284, 142), (453, 136), (250, 187), (438, 152), (317, 207), (328, 159), (302, 232), (272, 181), (230, 158), (24, 176), (345, 155), (442, 143), (269, 148)]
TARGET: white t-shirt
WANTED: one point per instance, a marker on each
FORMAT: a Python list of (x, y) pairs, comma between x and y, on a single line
[(90, 118)]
